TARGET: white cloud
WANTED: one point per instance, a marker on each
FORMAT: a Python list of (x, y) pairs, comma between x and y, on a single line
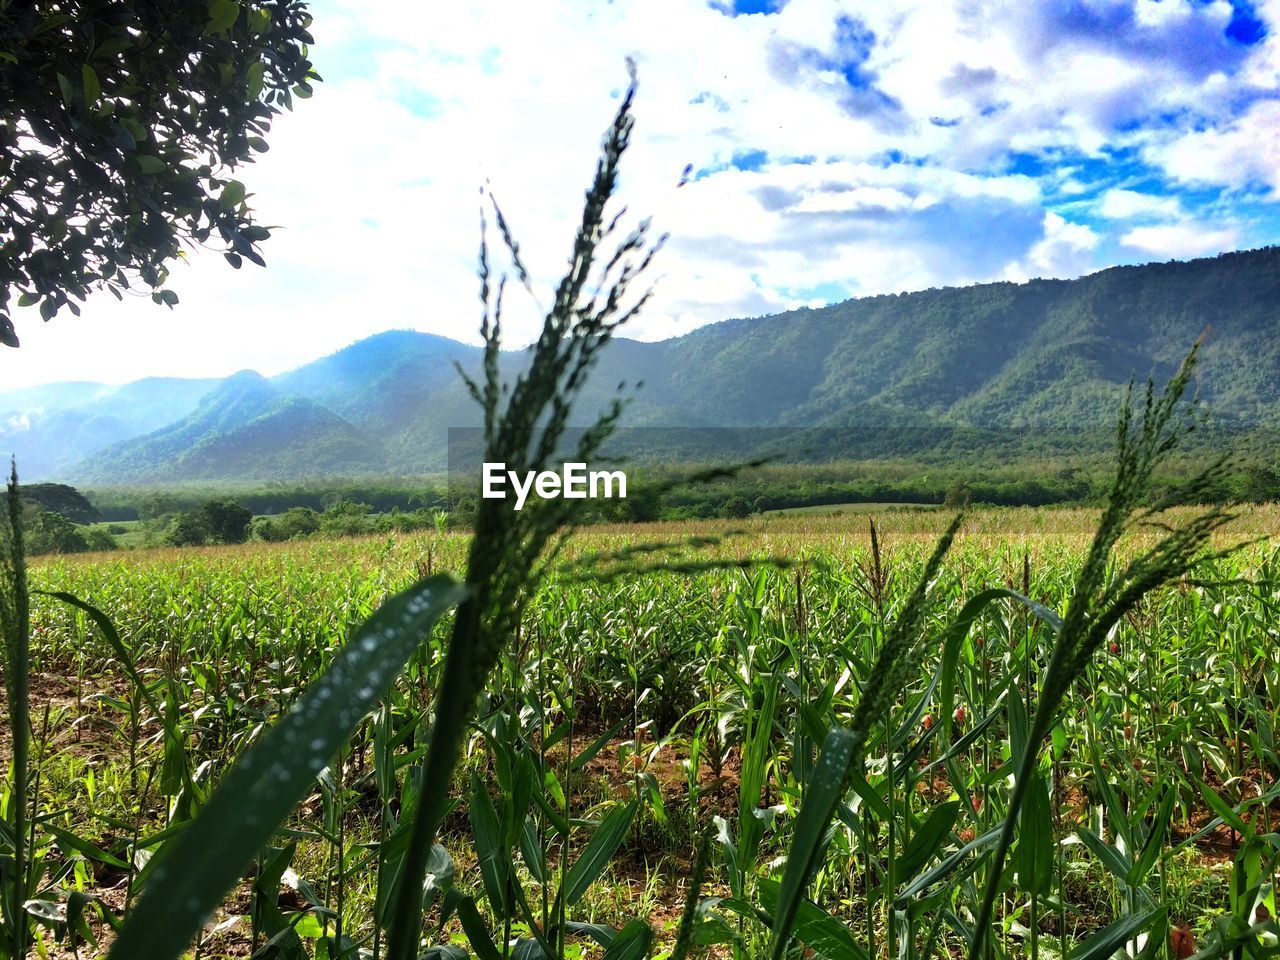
[(1064, 250), (375, 180), (1181, 239), (1243, 152), (1121, 204)]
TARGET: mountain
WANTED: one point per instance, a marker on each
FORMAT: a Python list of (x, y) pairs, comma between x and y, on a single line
[(244, 428), (53, 396), (1046, 354), (55, 427), (952, 371), (401, 386)]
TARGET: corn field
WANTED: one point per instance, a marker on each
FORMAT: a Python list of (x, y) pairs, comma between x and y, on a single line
[(647, 744)]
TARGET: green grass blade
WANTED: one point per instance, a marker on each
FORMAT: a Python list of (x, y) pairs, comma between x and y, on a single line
[(112, 637), (1035, 838), (824, 790), (602, 741), (1155, 839), (947, 866), (490, 854), (819, 931), (927, 841), (1104, 944), (256, 795), (473, 926), (959, 629), (632, 942), (1117, 863), (599, 851)]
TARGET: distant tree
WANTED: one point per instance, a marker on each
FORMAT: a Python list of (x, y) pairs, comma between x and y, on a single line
[(120, 121), (226, 521), (295, 524), (1260, 483), (958, 495), (156, 505), (48, 532), (641, 504), (265, 529), (100, 540), (346, 518), (735, 508), (298, 522), (61, 499), (462, 511), (189, 530)]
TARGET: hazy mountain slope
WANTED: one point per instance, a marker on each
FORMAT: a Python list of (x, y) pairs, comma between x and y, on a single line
[(244, 428), (1003, 358), (51, 430), (46, 397), (373, 382)]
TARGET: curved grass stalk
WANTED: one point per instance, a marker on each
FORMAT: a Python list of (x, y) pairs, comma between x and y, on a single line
[(523, 427), (1096, 606)]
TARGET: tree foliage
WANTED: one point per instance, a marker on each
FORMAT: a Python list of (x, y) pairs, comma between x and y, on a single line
[(62, 499), (189, 530), (121, 123), (226, 520), (49, 532)]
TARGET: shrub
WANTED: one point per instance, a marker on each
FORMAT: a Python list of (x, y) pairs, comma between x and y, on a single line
[(48, 532), (189, 530), (226, 521), (346, 518)]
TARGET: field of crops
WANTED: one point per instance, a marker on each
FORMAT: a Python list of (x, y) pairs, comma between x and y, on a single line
[(645, 746)]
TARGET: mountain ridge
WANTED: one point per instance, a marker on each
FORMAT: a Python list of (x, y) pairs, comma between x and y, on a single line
[(1041, 355)]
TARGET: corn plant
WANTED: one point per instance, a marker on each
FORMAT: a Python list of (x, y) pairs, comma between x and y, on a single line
[(523, 428), (20, 873)]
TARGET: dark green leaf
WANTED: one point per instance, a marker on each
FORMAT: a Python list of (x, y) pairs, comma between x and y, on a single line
[(1115, 861), (1035, 838), (71, 843), (89, 80), (489, 851), (632, 942), (927, 841), (600, 742), (824, 790), (255, 796), (599, 851), (1106, 942), (232, 195), (222, 15), (473, 926), (1155, 839)]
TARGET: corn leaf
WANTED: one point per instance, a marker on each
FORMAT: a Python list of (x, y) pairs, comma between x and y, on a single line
[(256, 795)]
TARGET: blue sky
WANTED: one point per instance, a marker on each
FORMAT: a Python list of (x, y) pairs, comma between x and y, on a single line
[(839, 149)]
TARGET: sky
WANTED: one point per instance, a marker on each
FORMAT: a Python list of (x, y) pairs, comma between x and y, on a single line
[(837, 150)]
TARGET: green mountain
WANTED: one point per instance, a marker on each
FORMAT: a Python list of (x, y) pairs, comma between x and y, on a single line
[(948, 372), (1045, 354), (53, 428), (244, 428)]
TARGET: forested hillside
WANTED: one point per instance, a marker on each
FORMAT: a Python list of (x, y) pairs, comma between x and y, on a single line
[(993, 366)]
